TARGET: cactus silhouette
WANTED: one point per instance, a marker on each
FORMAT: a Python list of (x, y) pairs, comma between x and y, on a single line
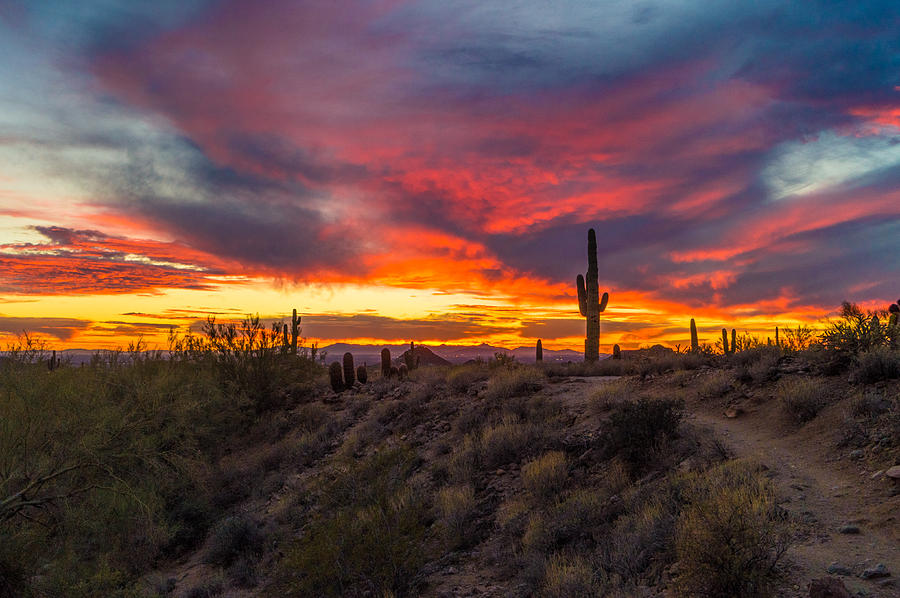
[(777, 342), (590, 304), (695, 344), (362, 374), (295, 331), (335, 377), (348, 370), (402, 371), (410, 357), (733, 340), (386, 363), (617, 352), (539, 352), (725, 341)]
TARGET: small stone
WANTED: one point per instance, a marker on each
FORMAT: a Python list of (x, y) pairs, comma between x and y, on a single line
[(877, 474), (836, 569), (893, 472), (878, 570), (848, 528), (828, 587), (857, 454), (733, 412)]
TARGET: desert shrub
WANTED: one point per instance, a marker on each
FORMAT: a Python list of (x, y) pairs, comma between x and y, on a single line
[(868, 405), (730, 537), (765, 368), (505, 442), (369, 534), (545, 476), (455, 506), (610, 394), (715, 384), (877, 364), (462, 378), (634, 428), (802, 398), (510, 382), (855, 331), (638, 537), (463, 463), (233, 537), (566, 577)]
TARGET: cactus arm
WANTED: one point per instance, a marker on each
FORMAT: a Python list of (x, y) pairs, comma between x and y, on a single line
[(603, 301), (582, 296)]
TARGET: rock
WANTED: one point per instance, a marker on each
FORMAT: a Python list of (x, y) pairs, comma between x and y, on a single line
[(875, 572), (848, 528), (836, 569), (828, 587), (733, 412), (877, 474), (893, 472), (857, 454)]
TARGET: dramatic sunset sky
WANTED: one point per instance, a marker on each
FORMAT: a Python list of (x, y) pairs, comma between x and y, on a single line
[(428, 170)]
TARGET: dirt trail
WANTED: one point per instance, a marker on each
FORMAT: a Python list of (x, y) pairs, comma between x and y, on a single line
[(826, 492), (824, 488)]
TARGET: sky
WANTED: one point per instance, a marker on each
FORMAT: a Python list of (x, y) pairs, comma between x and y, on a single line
[(429, 170)]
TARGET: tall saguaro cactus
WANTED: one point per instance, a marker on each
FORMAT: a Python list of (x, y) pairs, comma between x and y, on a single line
[(349, 370), (539, 352), (695, 342), (590, 304), (295, 331)]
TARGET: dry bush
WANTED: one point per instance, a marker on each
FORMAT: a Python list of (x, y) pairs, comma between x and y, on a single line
[(611, 394), (232, 538), (464, 462), (715, 384), (511, 382), (455, 506), (463, 379), (506, 442), (802, 398), (731, 536), (545, 476), (569, 577), (638, 537)]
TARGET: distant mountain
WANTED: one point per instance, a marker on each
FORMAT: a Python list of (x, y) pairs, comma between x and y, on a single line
[(456, 354)]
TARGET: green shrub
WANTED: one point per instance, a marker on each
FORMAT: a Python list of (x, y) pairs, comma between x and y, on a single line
[(368, 536), (234, 537), (730, 537), (802, 398), (505, 442), (635, 428), (875, 365)]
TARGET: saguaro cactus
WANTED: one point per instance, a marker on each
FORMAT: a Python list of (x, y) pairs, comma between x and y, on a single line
[(295, 331), (725, 342), (777, 342), (590, 304), (617, 352), (733, 340), (348, 370), (538, 352), (402, 371), (335, 377), (362, 374), (410, 357), (695, 343), (386, 362)]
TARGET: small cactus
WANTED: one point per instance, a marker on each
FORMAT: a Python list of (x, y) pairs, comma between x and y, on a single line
[(335, 376), (386, 363), (410, 357), (402, 371), (617, 352), (394, 371), (362, 374), (53, 363), (348, 370), (539, 352), (285, 340), (695, 344), (725, 342), (733, 340), (777, 342)]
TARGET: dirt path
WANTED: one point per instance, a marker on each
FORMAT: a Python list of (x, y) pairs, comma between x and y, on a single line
[(822, 486)]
